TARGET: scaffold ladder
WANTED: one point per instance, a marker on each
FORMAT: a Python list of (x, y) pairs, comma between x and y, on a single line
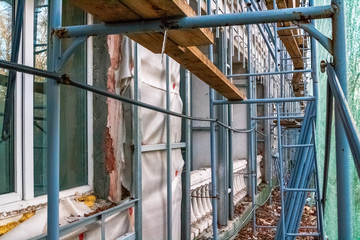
[(295, 192)]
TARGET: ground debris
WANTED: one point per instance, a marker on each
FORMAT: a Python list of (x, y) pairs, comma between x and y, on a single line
[(269, 215)]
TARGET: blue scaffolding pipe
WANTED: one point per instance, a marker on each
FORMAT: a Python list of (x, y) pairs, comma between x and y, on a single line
[(30, 70), (230, 144), (70, 228), (266, 26), (222, 136), (298, 146), (342, 147), (274, 117), (212, 147), (343, 110), (300, 190), (320, 210), (346, 123), (251, 124), (281, 180), (276, 39), (65, 79), (265, 100), (168, 155), (137, 166), (328, 128), (285, 28), (300, 177), (186, 200), (321, 38), (314, 73), (205, 21), (264, 37), (53, 131), (268, 73), (71, 49)]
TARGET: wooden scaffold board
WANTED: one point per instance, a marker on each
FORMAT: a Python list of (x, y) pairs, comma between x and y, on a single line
[(180, 44), (292, 44)]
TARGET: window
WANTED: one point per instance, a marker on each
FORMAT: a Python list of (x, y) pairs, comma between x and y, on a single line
[(73, 138), (7, 179), (24, 168)]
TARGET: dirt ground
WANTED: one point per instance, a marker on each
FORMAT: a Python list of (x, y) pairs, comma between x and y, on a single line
[(268, 215)]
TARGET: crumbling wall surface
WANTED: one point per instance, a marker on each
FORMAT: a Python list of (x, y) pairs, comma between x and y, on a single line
[(100, 112), (108, 117), (114, 160)]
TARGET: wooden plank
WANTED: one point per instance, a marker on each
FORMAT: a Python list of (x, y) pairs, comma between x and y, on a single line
[(291, 44), (210, 74), (290, 123), (179, 45), (151, 9), (124, 10), (150, 41), (198, 64), (106, 10)]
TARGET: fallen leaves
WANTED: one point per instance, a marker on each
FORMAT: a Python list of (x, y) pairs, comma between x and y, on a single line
[(268, 217)]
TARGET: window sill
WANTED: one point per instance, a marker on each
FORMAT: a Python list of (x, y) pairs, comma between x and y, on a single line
[(14, 203)]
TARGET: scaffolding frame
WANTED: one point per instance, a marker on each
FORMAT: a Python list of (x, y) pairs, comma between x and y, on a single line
[(346, 133)]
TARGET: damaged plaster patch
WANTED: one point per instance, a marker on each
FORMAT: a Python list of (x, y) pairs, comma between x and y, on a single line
[(114, 161)]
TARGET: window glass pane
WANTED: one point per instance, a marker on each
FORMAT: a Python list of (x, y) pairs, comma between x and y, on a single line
[(73, 137), (40, 61), (6, 147)]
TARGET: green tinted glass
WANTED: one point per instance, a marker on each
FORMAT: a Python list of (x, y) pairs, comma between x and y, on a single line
[(73, 137), (6, 147)]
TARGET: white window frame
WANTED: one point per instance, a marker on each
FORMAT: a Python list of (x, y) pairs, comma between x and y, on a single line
[(23, 196)]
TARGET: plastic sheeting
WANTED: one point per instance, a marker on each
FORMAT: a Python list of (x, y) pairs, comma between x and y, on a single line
[(70, 210), (152, 86)]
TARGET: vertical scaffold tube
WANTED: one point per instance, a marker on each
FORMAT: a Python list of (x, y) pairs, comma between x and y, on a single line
[(53, 120), (251, 138), (230, 140), (281, 180), (168, 154), (185, 203), (137, 169), (342, 145), (212, 146), (313, 65)]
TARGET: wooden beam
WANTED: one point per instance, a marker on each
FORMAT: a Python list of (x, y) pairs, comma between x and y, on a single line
[(198, 64), (107, 10), (291, 44), (125, 10), (180, 44)]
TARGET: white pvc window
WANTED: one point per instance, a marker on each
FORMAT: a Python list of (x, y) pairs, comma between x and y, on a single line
[(26, 151)]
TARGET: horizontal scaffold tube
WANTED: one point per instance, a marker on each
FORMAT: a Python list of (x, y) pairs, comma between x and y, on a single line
[(206, 21), (29, 70), (265, 100), (268, 73), (65, 79), (275, 117)]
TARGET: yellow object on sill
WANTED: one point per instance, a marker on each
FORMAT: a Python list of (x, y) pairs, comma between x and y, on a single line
[(89, 200), (7, 227)]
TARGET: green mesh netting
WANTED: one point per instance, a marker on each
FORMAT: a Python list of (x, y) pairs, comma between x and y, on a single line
[(353, 71)]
